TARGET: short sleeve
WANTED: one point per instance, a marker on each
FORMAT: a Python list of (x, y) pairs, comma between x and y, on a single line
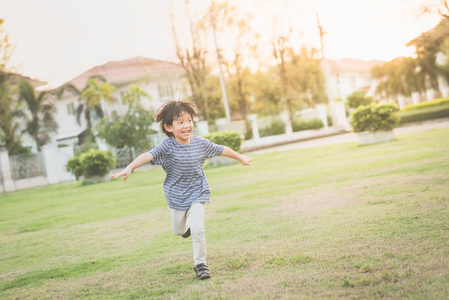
[(159, 153), (212, 149)]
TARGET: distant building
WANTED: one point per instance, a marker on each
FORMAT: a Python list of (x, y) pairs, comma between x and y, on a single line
[(162, 80), (349, 75)]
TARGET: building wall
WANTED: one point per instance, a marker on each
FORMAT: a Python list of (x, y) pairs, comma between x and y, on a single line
[(154, 86)]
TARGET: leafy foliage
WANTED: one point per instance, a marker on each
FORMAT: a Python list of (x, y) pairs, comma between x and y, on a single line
[(9, 137), (230, 139), (267, 93), (96, 162), (306, 125), (16, 148), (74, 166), (423, 105), (40, 119), (90, 96), (276, 127), (375, 117), (134, 95), (131, 129), (399, 77), (358, 98), (424, 114)]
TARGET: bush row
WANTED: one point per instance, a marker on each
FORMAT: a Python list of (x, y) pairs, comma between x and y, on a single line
[(425, 105), (278, 127), (423, 114), (307, 125), (230, 139)]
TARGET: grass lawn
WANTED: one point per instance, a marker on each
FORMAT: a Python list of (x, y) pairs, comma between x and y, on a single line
[(341, 221)]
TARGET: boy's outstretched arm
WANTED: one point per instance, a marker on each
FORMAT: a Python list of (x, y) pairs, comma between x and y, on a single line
[(244, 159), (140, 160)]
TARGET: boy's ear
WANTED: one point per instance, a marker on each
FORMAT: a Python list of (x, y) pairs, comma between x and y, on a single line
[(168, 128)]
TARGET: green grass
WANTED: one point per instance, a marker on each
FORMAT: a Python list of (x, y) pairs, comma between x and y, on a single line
[(340, 221)]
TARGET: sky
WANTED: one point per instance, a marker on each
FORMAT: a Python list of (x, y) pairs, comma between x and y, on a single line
[(57, 40)]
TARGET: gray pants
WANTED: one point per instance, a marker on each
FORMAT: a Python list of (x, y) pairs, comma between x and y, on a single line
[(192, 218)]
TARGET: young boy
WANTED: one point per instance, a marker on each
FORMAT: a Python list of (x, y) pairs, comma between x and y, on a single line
[(186, 189)]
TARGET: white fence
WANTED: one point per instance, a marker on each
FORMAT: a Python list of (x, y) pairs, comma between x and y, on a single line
[(47, 167)]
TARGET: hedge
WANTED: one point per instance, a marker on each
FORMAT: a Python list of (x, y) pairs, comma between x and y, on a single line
[(424, 105), (276, 127), (418, 115), (308, 124), (230, 139)]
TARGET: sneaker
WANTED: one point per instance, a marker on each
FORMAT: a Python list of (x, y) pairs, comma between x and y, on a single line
[(186, 234), (202, 271)]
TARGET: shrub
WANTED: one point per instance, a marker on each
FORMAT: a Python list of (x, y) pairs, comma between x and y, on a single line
[(230, 139), (375, 117), (425, 105), (276, 127), (96, 162), (80, 149), (358, 98), (309, 124), (16, 148), (424, 114), (74, 166)]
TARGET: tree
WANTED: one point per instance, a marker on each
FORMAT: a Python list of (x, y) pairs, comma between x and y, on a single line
[(9, 110), (193, 57), (9, 137), (398, 77), (134, 95), (358, 98), (440, 7), (306, 80), (40, 121), (281, 52), (131, 129), (96, 89), (267, 91), (233, 25)]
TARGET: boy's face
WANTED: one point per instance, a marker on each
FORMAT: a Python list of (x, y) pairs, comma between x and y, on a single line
[(182, 128)]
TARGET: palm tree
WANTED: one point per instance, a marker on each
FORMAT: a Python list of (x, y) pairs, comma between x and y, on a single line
[(40, 121), (96, 89), (9, 137)]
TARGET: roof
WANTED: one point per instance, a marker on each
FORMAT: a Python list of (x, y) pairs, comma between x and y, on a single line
[(352, 65), (438, 32), (16, 78), (126, 71)]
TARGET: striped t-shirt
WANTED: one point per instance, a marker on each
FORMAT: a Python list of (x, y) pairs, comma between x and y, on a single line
[(185, 182)]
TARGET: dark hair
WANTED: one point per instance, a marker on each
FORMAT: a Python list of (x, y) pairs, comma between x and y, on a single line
[(172, 110)]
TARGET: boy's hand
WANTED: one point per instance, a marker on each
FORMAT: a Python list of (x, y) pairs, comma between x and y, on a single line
[(125, 172), (245, 159)]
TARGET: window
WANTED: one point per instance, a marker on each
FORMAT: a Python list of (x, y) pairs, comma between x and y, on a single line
[(71, 109), (165, 91)]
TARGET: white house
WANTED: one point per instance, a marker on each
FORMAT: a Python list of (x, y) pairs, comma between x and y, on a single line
[(349, 75), (161, 80)]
